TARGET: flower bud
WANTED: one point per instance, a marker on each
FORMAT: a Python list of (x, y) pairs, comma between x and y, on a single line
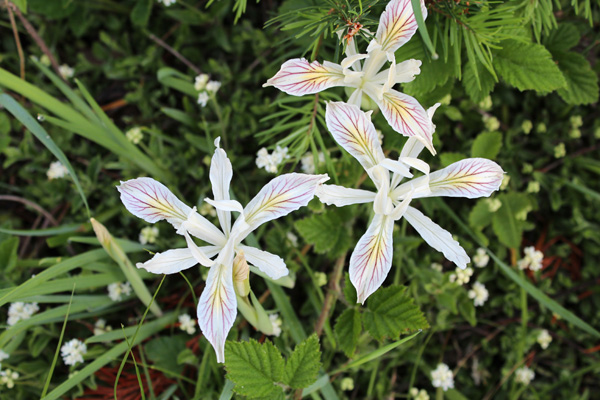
[(241, 273)]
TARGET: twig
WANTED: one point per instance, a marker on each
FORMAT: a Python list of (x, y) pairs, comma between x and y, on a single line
[(9, 7), (177, 54), (31, 204)]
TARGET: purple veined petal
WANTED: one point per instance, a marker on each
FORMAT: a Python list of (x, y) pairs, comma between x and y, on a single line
[(437, 237), (150, 200), (217, 307), (220, 176), (371, 260), (270, 264), (169, 262), (279, 197), (341, 196), (352, 129), (406, 116), (298, 77), (202, 228), (397, 24)]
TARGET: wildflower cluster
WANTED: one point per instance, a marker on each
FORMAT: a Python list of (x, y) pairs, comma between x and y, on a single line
[(206, 88), (21, 311), (270, 162), (532, 260), (73, 351)]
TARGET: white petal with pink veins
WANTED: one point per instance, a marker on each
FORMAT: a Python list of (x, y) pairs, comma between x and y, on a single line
[(437, 237), (352, 129), (270, 264), (217, 308), (203, 229), (299, 77), (152, 201), (169, 262), (371, 260), (397, 24), (279, 197)]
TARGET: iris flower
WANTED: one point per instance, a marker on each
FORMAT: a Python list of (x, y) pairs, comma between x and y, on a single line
[(362, 72), (150, 200), (371, 260)]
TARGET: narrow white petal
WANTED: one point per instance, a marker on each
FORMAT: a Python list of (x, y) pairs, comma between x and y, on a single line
[(217, 308), (341, 196), (412, 148), (397, 24), (279, 197), (371, 260), (270, 264), (437, 237), (397, 167), (169, 262), (407, 70), (383, 202), (203, 229), (197, 253), (225, 205), (152, 201), (352, 129), (220, 176), (299, 77)]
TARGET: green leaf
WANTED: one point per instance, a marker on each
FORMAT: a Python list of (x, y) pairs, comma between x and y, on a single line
[(304, 363), (449, 158), (480, 215), (162, 349), (255, 368), (477, 89), (528, 66), (8, 254), (349, 290), (582, 81), (564, 37), (140, 14), (347, 329), (467, 310), (505, 223), (326, 232), (21, 4), (392, 311), (487, 145)]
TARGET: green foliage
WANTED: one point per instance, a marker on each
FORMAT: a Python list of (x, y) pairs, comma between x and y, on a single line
[(508, 221), (322, 231), (391, 312), (303, 364), (347, 329), (487, 145)]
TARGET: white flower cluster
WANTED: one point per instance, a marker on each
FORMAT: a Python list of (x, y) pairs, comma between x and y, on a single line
[(544, 339), (276, 322), (206, 88), (117, 290), (8, 377), (436, 267), (442, 377), (524, 375), (347, 384), (461, 276), (3, 356), (479, 294), (187, 324), (308, 162), (148, 234), (57, 170), (20, 311), (532, 260), (73, 351), (134, 135), (270, 161), (481, 259), (65, 71), (417, 394), (100, 327), (167, 3)]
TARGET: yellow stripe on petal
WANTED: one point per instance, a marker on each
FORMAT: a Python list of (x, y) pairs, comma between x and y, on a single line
[(298, 77), (371, 260), (397, 24), (471, 178)]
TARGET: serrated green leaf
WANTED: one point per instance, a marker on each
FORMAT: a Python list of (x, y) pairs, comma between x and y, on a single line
[(325, 232), (349, 290), (439, 71), (506, 226), (347, 329), (564, 37), (161, 351), (477, 90), (449, 158), (255, 368), (487, 145), (528, 66), (582, 82), (392, 311), (480, 215), (304, 363)]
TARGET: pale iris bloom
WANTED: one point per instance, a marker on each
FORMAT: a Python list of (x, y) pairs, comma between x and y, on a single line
[(371, 260), (524, 375), (73, 351), (544, 338), (187, 324), (481, 259), (479, 294), (442, 377), (405, 115), (56, 171), (152, 201)]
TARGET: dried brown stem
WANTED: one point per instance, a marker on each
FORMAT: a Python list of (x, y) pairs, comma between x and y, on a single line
[(10, 7), (177, 54)]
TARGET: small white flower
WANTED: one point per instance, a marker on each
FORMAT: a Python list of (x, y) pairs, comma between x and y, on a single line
[(442, 377), (57, 170), (276, 322), (417, 394), (134, 135), (491, 123), (308, 162), (541, 128), (347, 384), (479, 294), (187, 324), (486, 104), (203, 99), (560, 151), (544, 338), (3, 355), (493, 204), (576, 121), (461, 276), (532, 260), (270, 161), (200, 82), (436, 267), (524, 375), (379, 137), (505, 181), (481, 259), (100, 327), (21, 311), (533, 187), (45, 60), (293, 239), (167, 3), (117, 290), (213, 86), (73, 351), (65, 71), (320, 278), (575, 133), (8, 377), (148, 234)]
